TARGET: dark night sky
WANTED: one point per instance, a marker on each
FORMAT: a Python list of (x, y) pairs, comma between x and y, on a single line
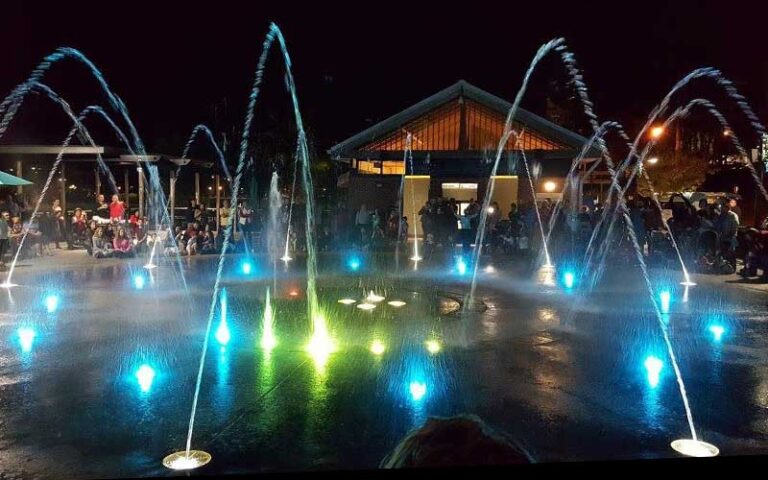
[(358, 62)]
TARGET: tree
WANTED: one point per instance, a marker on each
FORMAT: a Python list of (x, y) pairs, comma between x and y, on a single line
[(685, 171)]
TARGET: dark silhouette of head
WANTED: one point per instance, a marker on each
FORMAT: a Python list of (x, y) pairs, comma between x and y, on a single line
[(455, 441)]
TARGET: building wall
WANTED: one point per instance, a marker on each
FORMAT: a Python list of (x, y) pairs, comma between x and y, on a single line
[(505, 193), (373, 190)]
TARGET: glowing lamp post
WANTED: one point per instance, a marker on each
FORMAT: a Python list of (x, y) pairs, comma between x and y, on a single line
[(657, 132)]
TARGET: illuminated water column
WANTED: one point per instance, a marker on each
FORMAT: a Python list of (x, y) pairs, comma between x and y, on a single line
[(268, 339)]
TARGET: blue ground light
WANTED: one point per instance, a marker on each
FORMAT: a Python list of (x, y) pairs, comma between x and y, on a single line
[(222, 333), (354, 263), (461, 266), (26, 338), (665, 298), (568, 279), (246, 267), (717, 332), (51, 303), (417, 390), (145, 375), (653, 367), (139, 281)]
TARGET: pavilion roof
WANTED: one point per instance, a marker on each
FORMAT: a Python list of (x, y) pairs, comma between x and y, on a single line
[(566, 140)]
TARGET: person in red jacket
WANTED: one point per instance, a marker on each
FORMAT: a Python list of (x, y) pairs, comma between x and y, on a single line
[(116, 209)]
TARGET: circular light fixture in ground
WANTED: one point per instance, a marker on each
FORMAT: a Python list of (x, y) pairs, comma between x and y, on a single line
[(377, 347), (416, 258), (374, 298), (688, 283), (187, 460), (8, 285), (366, 306), (695, 448), (347, 301), (397, 303), (150, 266), (433, 346)]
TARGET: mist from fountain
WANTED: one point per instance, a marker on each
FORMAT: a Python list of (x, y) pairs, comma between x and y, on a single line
[(273, 226)]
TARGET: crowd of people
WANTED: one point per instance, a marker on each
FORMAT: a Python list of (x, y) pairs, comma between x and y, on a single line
[(445, 225), (707, 234), (109, 232)]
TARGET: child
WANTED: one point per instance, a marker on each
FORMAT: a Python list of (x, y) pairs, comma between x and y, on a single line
[(404, 229)]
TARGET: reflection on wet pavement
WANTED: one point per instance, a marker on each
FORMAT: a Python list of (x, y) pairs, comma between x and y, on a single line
[(97, 374)]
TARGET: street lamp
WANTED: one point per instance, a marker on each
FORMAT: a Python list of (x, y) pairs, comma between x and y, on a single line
[(653, 160), (550, 186), (657, 132)]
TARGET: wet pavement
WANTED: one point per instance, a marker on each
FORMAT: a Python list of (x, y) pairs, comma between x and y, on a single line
[(100, 383)]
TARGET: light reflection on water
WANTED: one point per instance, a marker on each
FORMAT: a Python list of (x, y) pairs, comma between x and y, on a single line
[(548, 315), (652, 368), (224, 391), (419, 378), (26, 337)]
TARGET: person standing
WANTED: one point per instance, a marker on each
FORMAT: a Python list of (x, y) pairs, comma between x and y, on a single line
[(727, 226), (116, 209), (515, 225), (59, 225), (734, 206), (426, 218), (189, 215), (403, 230), (362, 219), (198, 213), (472, 212), (224, 216), (102, 208), (4, 231), (245, 219)]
